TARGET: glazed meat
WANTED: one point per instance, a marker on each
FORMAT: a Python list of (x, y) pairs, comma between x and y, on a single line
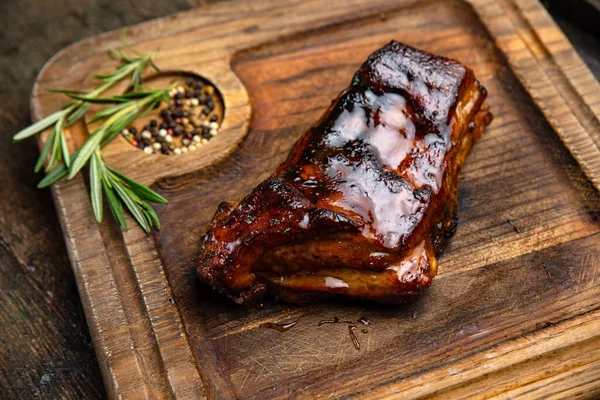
[(366, 198)]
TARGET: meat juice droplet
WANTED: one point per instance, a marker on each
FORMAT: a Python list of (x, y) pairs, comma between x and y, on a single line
[(335, 320), (353, 337), (284, 327), (351, 327)]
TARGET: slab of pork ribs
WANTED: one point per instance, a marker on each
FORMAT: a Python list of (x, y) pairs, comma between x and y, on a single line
[(366, 198)]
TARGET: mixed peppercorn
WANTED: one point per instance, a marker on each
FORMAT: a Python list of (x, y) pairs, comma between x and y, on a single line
[(189, 121)]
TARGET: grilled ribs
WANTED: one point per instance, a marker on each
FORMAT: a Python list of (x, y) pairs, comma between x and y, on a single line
[(366, 198)]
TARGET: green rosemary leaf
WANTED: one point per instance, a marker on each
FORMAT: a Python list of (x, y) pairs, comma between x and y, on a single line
[(165, 96), (133, 95), (118, 54), (66, 91), (147, 210), (109, 111), (54, 176), (78, 114), (64, 148), (128, 46), (96, 100), (95, 187), (108, 138), (44, 153), (88, 148), (115, 206), (151, 60), (121, 72), (117, 127), (125, 123), (155, 103), (55, 153), (103, 76), (131, 205), (38, 126), (148, 219), (150, 212), (142, 191), (57, 173), (136, 76)]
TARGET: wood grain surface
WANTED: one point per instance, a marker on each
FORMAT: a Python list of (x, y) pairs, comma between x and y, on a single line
[(556, 211), (45, 347)]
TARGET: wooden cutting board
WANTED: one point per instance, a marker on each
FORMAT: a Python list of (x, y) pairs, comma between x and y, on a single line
[(515, 309)]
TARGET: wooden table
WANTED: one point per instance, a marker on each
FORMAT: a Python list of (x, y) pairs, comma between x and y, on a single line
[(45, 348)]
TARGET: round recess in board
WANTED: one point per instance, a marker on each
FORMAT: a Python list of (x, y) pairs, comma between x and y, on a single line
[(188, 122)]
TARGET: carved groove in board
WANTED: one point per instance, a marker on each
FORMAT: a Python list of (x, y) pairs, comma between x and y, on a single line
[(96, 285), (534, 72), (554, 338), (181, 370), (144, 345)]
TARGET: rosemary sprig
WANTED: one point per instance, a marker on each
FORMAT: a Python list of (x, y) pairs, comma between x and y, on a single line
[(56, 145), (120, 190), (122, 110), (117, 118)]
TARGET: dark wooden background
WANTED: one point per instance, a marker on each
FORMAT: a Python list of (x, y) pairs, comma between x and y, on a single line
[(45, 347)]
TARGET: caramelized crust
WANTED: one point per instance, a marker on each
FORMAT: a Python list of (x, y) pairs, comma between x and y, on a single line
[(367, 196)]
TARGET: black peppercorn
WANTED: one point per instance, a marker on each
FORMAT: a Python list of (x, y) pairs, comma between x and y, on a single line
[(133, 130), (146, 128), (206, 133), (153, 123), (188, 94), (177, 131), (164, 149), (189, 82), (214, 118), (138, 138), (176, 113), (195, 132), (163, 126), (178, 102), (178, 96), (164, 113), (141, 145), (160, 139)]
